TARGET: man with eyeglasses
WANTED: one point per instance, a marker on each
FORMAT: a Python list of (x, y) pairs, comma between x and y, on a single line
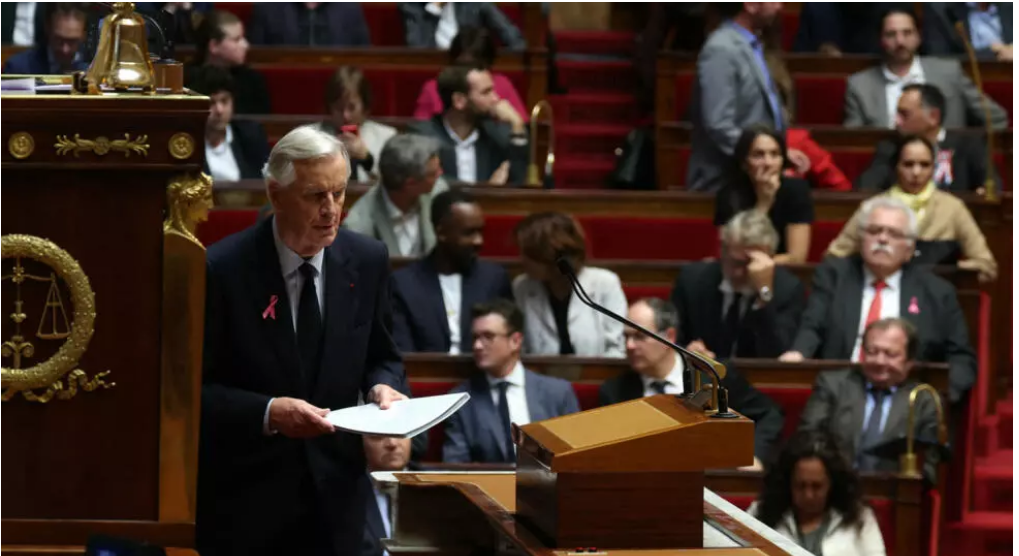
[(503, 392), (850, 293)]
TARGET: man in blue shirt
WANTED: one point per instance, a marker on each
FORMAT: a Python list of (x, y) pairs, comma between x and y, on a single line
[(988, 26), (60, 52)]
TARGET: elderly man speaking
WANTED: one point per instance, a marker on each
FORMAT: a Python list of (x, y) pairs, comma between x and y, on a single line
[(297, 323)]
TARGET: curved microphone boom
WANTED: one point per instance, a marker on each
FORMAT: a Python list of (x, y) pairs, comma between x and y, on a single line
[(692, 361)]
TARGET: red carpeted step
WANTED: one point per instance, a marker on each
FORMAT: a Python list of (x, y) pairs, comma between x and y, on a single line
[(597, 43), (1005, 424), (577, 172), (992, 483), (594, 108), (585, 77), (980, 534), (590, 140)]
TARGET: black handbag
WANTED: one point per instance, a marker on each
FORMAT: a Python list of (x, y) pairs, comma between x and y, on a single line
[(635, 161)]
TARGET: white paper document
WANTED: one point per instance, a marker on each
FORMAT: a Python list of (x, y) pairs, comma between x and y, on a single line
[(404, 419)]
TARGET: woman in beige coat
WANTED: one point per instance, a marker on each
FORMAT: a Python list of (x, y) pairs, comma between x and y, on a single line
[(941, 216)]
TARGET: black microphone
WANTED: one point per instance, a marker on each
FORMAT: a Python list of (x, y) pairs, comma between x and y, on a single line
[(691, 361)]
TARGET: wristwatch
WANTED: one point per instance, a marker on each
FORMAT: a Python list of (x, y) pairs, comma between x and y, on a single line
[(764, 294)]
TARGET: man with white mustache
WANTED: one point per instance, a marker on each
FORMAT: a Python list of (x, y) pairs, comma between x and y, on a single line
[(850, 293)]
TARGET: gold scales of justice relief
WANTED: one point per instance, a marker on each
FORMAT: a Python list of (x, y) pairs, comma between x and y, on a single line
[(56, 377)]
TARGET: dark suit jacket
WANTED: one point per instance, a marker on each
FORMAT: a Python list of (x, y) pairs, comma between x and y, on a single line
[(251, 94), (743, 397), (474, 434), (252, 484), (766, 332), (278, 24), (969, 164), (419, 26), (940, 37), (420, 323), (830, 324), (838, 403), (853, 27), (34, 61), (492, 149), (250, 147)]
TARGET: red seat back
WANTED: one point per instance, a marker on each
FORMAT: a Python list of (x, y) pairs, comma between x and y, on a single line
[(792, 401), (587, 394), (222, 223), (436, 435), (613, 237), (820, 99)]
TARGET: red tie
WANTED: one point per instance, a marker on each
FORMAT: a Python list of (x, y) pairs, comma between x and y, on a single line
[(874, 313)]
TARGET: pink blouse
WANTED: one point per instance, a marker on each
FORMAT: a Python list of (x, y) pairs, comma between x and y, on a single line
[(429, 104)]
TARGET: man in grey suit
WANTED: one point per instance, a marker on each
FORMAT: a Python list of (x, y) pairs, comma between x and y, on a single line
[(503, 393), (734, 89), (866, 408), (872, 95), (397, 211)]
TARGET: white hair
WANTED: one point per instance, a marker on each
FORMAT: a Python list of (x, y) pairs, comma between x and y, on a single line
[(890, 203), (306, 142), (750, 228)]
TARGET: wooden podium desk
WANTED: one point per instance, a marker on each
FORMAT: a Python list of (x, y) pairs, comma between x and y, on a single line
[(474, 513)]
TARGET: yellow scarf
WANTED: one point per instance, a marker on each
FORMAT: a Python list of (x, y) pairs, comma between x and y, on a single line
[(916, 201)]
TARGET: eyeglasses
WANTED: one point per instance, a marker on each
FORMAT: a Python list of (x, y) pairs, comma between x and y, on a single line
[(893, 233), (489, 337)]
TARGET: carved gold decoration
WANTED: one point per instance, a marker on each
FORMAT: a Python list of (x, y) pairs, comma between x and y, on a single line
[(21, 145), (53, 325), (181, 146), (101, 145), (189, 199)]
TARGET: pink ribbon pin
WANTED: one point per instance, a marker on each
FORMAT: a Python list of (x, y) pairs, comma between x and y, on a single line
[(914, 308), (270, 311)]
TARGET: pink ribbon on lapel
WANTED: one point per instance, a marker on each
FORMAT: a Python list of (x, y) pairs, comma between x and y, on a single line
[(914, 308), (270, 311)]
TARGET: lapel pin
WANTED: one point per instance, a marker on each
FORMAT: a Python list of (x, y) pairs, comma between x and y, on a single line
[(270, 311), (914, 308)]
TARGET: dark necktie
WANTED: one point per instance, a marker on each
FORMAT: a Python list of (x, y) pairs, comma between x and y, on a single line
[(872, 434), (730, 328), (659, 386), (309, 324), (504, 416)]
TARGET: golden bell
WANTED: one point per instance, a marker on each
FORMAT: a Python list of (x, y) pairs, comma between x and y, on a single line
[(122, 59)]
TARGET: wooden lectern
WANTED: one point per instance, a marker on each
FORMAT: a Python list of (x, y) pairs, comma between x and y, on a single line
[(103, 293)]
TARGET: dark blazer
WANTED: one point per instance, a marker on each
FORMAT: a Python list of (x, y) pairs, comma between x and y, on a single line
[(766, 332), (831, 322), (35, 61), (251, 94), (250, 147), (419, 26), (420, 323), (837, 405), (278, 23), (474, 434), (940, 37), (743, 397), (969, 164), (492, 149), (253, 486)]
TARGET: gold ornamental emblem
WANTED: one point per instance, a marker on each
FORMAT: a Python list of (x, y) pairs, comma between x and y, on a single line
[(57, 376), (102, 146), (181, 146), (21, 145)]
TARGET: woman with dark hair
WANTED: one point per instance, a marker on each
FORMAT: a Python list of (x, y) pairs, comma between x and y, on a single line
[(945, 226), (814, 497), (555, 322), (219, 41), (471, 46), (757, 182)]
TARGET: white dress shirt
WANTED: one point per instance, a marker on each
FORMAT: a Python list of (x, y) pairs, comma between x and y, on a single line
[(222, 164), (448, 27), (452, 294), (466, 155), (406, 226), (673, 380), (894, 85), (24, 24), (890, 303), (516, 395)]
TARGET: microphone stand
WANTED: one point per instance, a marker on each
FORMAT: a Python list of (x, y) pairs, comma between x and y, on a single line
[(990, 188), (692, 362)]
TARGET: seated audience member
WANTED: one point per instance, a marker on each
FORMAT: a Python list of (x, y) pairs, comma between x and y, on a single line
[(756, 182), (432, 297), (872, 94), (961, 162), (234, 150), (59, 51), (382, 453), (837, 28), (435, 24), (945, 225), (741, 305), (557, 322), (503, 392), (472, 46), (397, 210), (221, 42), (988, 25), (308, 24), (814, 498), (657, 369), (880, 282), (867, 407), (483, 138), (348, 101)]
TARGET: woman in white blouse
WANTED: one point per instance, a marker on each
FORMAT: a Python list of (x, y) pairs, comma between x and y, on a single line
[(555, 321)]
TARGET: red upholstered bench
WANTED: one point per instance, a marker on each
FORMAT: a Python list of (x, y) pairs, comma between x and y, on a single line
[(792, 401), (222, 223), (587, 394), (436, 435), (633, 293)]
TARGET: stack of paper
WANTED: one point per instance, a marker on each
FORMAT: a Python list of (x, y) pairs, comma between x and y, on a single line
[(404, 419)]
